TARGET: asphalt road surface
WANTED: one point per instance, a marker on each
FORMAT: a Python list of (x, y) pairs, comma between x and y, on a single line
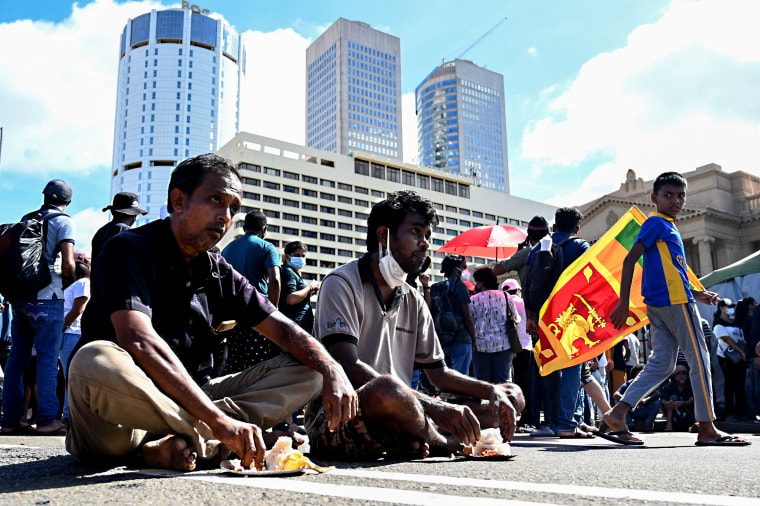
[(668, 470)]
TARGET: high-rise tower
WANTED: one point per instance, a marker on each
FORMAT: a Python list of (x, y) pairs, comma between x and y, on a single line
[(179, 84), (353, 90), (461, 124)]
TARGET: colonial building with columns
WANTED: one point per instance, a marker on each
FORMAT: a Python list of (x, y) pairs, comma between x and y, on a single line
[(720, 223)]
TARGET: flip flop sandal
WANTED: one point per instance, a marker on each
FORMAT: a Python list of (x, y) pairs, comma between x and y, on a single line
[(613, 436), (725, 441)]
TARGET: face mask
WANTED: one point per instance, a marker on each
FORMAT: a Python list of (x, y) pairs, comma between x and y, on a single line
[(730, 311), (465, 275), (392, 272), (296, 263)]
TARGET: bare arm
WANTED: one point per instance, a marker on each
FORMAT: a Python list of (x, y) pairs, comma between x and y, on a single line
[(135, 334), (425, 282), (299, 295), (67, 263), (499, 408), (620, 314), (358, 372), (273, 286), (338, 396), (76, 309), (469, 322)]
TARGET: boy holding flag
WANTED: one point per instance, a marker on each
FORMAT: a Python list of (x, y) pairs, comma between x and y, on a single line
[(672, 313)]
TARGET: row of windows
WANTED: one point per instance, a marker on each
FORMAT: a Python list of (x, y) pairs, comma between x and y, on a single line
[(363, 167), (390, 173), (427, 93)]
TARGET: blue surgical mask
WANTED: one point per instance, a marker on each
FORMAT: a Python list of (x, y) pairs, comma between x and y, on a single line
[(297, 263)]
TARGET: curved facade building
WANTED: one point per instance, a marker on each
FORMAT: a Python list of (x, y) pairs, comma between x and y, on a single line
[(178, 96), (461, 124)]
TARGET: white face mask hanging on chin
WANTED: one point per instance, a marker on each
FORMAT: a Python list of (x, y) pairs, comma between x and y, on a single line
[(392, 272)]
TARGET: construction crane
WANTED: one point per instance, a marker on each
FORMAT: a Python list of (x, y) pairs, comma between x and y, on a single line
[(481, 38)]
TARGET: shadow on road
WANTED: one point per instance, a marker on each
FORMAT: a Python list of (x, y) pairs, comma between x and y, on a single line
[(62, 471)]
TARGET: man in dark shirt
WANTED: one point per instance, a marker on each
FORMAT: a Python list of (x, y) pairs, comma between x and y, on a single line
[(154, 334), (124, 211)]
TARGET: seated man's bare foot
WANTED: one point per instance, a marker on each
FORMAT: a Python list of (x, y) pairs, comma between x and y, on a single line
[(449, 446), (411, 449), (170, 452)]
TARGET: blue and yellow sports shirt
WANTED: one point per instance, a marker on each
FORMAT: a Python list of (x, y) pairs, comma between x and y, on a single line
[(665, 281)]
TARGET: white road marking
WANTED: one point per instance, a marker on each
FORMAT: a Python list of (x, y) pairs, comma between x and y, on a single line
[(374, 494), (555, 488), (415, 497)]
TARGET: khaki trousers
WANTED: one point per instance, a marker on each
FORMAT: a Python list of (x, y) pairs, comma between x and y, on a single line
[(114, 407)]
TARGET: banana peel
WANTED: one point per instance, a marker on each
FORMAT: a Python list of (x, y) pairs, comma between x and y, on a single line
[(297, 460)]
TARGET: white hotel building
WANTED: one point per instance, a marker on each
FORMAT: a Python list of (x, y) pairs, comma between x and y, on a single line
[(324, 199), (178, 95)]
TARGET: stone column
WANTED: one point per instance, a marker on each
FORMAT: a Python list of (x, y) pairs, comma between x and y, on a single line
[(705, 257)]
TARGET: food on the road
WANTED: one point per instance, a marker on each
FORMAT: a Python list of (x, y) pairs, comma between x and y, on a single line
[(490, 444), (282, 457)]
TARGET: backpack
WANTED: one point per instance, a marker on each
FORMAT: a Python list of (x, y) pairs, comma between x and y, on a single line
[(444, 319), (23, 267), (543, 272)]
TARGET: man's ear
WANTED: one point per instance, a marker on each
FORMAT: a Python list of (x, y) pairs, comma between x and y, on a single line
[(653, 196), (178, 199), (382, 232)]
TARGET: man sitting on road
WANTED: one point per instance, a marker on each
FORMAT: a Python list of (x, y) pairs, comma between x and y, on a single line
[(380, 331), (155, 345), (678, 401)]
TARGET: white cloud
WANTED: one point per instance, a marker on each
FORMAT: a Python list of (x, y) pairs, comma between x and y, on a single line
[(409, 128), (531, 51), (275, 85), (87, 221), (681, 94), (58, 88)]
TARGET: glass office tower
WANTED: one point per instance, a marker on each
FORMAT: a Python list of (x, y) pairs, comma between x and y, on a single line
[(461, 124), (178, 96), (353, 91)]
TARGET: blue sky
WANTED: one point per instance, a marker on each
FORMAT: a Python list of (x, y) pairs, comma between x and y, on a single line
[(593, 88)]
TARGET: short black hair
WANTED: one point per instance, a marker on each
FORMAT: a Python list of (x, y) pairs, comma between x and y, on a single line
[(451, 262), (486, 276), (255, 221), (566, 219), (392, 211), (671, 178), (293, 246), (538, 227), (54, 201), (189, 174), (81, 270)]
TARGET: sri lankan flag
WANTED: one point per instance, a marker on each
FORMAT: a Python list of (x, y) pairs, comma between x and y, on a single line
[(574, 322)]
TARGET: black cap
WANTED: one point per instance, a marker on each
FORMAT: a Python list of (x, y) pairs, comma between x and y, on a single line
[(59, 190), (125, 203)]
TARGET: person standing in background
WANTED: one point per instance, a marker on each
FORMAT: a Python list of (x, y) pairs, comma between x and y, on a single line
[(75, 299), (38, 323), (124, 211), (295, 296)]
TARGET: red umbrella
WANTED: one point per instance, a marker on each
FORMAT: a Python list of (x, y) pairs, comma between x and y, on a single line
[(498, 241)]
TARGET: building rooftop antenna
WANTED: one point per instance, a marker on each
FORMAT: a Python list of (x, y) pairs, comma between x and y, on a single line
[(477, 41)]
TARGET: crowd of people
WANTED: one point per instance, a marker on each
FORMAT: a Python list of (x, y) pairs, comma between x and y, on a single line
[(173, 352)]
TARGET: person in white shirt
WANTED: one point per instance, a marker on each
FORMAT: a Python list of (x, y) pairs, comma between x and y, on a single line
[(75, 298)]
